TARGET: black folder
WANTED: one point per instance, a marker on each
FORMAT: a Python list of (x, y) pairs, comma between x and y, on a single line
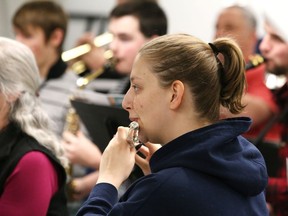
[(101, 121)]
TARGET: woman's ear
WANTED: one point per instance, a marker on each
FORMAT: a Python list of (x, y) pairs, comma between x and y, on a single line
[(177, 93)]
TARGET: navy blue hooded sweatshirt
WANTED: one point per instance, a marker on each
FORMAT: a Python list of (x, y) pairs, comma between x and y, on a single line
[(212, 171)]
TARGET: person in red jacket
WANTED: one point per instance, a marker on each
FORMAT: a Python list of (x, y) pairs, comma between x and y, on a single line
[(274, 48), (240, 23)]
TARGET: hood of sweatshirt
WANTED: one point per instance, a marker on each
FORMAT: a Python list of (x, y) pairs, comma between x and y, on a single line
[(218, 150)]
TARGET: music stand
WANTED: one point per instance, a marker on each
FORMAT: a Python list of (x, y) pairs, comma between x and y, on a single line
[(101, 121)]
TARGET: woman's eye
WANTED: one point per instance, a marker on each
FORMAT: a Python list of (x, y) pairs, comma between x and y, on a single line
[(135, 88)]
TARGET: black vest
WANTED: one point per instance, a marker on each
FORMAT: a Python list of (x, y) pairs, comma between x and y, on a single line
[(14, 145)]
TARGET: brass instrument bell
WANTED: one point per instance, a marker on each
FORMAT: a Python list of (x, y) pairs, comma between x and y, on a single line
[(72, 54)]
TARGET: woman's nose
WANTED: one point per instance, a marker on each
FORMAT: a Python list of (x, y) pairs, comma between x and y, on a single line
[(127, 100)]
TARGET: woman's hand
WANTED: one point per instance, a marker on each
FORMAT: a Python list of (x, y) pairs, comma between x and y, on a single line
[(117, 160), (147, 150), (80, 150)]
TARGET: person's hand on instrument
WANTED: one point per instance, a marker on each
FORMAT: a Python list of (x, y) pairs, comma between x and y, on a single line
[(117, 160), (80, 150), (147, 150)]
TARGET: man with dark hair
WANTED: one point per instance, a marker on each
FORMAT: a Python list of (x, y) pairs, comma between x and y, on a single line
[(132, 24)]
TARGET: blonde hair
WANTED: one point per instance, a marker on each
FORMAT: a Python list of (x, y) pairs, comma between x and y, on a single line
[(212, 82), (19, 78)]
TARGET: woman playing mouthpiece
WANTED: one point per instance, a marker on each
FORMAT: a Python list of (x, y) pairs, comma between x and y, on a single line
[(204, 166)]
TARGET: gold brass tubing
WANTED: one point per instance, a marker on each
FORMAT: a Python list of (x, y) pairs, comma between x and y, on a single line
[(72, 121), (103, 39), (99, 41), (78, 67), (83, 81), (75, 52)]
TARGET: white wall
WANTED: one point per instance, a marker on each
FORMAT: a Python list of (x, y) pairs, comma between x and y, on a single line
[(198, 17), (7, 8), (187, 16)]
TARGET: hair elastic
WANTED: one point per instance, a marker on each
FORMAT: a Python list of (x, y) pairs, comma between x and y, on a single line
[(220, 65), (214, 48)]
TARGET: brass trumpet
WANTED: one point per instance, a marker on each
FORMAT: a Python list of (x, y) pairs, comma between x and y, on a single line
[(99, 41)]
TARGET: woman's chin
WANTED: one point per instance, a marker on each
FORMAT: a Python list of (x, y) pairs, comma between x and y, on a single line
[(143, 139)]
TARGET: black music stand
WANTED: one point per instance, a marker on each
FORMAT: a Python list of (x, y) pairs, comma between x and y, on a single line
[(101, 121)]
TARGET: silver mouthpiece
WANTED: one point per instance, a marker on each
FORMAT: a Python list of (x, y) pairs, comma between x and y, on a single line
[(134, 125), (132, 137)]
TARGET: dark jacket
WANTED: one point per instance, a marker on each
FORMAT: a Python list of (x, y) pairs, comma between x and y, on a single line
[(209, 171), (14, 145)]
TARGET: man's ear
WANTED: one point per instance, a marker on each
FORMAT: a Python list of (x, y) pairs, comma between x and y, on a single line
[(177, 93), (57, 37)]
